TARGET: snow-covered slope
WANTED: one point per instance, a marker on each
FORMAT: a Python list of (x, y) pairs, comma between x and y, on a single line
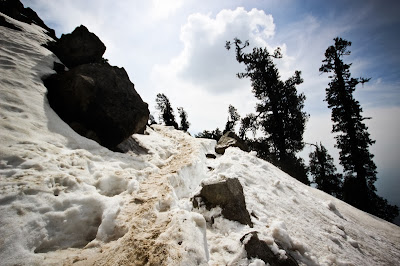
[(66, 200)]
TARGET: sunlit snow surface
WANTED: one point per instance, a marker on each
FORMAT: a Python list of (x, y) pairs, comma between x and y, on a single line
[(66, 200)]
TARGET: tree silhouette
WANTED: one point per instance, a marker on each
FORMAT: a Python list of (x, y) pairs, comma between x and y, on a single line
[(232, 119), (184, 121), (324, 173), (213, 134), (353, 139), (279, 112), (166, 111)]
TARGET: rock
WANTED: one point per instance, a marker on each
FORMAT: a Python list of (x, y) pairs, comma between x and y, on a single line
[(229, 196), (99, 102), (59, 68), (16, 10), (257, 248), (78, 48), (211, 156), (131, 145), (229, 139)]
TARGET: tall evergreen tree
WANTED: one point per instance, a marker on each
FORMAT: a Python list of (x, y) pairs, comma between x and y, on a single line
[(166, 110), (232, 119), (184, 121), (324, 173), (352, 137), (279, 112)]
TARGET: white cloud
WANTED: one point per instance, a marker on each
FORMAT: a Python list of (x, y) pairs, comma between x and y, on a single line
[(163, 9), (204, 61)]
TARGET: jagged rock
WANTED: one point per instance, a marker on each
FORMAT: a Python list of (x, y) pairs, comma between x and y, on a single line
[(229, 139), (78, 48), (16, 10), (229, 196), (99, 102), (257, 248)]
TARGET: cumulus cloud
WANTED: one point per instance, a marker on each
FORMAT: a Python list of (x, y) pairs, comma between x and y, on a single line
[(204, 61)]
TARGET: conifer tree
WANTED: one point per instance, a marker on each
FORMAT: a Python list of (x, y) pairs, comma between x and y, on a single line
[(184, 121), (324, 173), (232, 119), (352, 139), (166, 110), (279, 112), (215, 134)]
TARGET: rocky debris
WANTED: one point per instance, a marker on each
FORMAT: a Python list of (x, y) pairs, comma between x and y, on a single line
[(78, 48), (229, 196), (229, 139), (211, 156), (16, 10), (257, 248), (98, 101)]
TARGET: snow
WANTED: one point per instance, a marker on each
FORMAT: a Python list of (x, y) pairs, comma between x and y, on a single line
[(65, 199)]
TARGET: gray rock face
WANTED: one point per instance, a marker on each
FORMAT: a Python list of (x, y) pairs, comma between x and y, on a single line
[(99, 102), (78, 48), (229, 196), (257, 248), (229, 139)]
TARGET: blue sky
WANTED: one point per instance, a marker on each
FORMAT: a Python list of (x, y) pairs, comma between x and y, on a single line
[(177, 47)]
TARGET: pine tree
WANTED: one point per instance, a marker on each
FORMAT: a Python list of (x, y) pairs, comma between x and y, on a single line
[(151, 121), (184, 122), (279, 111), (352, 137), (324, 173), (213, 134), (232, 119), (166, 111)]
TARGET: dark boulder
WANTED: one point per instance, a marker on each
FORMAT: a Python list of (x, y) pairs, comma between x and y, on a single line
[(229, 196), (257, 248), (99, 102), (211, 156), (16, 10), (229, 139), (78, 48)]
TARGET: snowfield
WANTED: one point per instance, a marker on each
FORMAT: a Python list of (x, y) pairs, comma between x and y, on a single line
[(64, 199)]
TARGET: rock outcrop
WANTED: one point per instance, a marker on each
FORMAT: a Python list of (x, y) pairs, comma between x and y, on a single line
[(78, 48), (16, 10), (229, 139), (98, 101), (229, 196), (257, 248)]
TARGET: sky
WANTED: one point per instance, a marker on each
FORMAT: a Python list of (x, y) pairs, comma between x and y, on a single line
[(176, 47)]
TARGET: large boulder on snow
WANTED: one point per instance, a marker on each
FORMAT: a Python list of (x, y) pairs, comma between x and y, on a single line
[(99, 102), (257, 248), (16, 10), (78, 48), (229, 139), (229, 196)]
